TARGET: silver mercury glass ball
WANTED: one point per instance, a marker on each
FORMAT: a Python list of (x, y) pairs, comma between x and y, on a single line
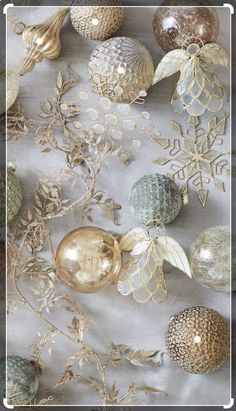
[(120, 68), (210, 258), (95, 22), (22, 380), (155, 195)]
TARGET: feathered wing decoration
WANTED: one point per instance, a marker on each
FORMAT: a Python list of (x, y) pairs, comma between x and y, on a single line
[(144, 277), (198, 88)]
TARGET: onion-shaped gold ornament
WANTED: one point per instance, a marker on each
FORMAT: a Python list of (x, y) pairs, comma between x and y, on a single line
[(42, 41), (120, 69), (95, 22), (198, 340), (89, 259)]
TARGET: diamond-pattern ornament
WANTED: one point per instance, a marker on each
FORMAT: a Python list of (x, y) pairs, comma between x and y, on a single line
[(121, 69), (14, 195), (198, 88)]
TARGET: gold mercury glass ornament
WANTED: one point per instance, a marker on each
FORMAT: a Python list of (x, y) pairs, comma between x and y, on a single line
[(89, 259), (42, 41)]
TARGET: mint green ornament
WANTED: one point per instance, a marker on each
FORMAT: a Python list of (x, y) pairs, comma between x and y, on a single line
[(14, 195), (155, 196), (22, 380)]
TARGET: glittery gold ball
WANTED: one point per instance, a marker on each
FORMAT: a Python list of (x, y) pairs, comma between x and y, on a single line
[(198, 340), (173, 25), (120, 68), (88, 259), (96, 23)]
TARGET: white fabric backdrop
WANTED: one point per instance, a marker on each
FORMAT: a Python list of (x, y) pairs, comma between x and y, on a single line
[(116, 318)]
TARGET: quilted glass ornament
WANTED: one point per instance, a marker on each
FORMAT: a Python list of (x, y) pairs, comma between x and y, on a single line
[(198, 340), (121, 69), (95, 22), (198, 88), (155, 195), (210, 258), (172, 25), (22, 380), (88, 259)]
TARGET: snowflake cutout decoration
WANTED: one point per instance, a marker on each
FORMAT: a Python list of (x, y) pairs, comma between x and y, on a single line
[(193, 160)]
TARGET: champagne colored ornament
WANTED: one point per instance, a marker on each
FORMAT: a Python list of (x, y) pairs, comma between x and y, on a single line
[(143, 274), (210, 258), (42, 41), (155, 195), (22, 380), (14, 195), (198, 88), (96, 23), (88, 259), (172, 25), (12, 87), (121, 69), (198, 340)]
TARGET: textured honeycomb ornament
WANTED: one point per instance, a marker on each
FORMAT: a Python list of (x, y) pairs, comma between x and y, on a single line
[(155, 195), (22, 380), (120, 69), (96, 23), (198, 340)]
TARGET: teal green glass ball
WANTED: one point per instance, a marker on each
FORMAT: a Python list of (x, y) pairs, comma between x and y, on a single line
[(22, 380), (155, 195), (14, 196)]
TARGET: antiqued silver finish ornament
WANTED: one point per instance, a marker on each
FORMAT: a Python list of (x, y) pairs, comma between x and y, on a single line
[(22, 380), (95, 22), (14, 194), (198, 340), (210, 258), (155, 195), (121, 69), (198, 88)]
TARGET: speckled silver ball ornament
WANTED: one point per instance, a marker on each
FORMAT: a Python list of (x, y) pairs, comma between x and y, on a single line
[(120, 68), (155, 195), (198, 340), (22, 380), (96, 23), (210, 258), (14, 194)]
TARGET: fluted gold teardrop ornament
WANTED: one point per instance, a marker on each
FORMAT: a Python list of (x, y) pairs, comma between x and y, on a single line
[(42, 41)]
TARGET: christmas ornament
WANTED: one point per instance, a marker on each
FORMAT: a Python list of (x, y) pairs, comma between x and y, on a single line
[(12, 87), (121, 69), (88, 259), (42, 41), (210, 258), (172, 25), (198, 340), (95, 22), (143, 274), (198, 88), (192, 156), (22, 380), (155, 195), (14, 195)]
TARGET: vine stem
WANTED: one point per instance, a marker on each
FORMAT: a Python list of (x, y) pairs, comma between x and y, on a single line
[(50, 324)]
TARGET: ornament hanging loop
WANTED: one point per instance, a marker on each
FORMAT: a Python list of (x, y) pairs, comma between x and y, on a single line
[(155, 227)]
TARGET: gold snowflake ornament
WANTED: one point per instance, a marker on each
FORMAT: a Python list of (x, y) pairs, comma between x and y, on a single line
[(198, 88), (192, 158), (143, 274)]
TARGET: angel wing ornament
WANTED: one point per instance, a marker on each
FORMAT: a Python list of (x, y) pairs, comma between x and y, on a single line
[(198, 88), (144, 276)]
